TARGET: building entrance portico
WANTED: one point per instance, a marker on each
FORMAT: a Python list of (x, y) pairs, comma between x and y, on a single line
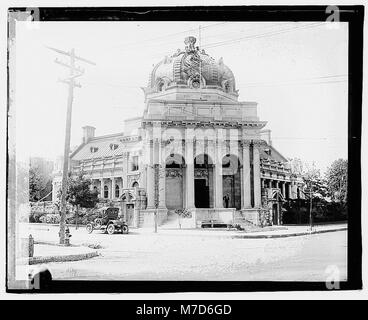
[(203, 183), (174, 181), (231, 183)]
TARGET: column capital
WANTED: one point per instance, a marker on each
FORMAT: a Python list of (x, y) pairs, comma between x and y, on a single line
[(259, 143), (245, 143)]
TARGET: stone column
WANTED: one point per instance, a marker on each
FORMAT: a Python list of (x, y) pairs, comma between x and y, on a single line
[(150, 176), (112, 188), (246, 176), (218, 186), (294, 192), (283, 189), (270, 183), (189, 172), (218, 170), (257, 177), (289, 190), (126, 169), (108, 184), (120, 184), (162, 175), (102, 188)]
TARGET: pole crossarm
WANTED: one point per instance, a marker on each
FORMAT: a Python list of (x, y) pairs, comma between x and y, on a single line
[(70, 82), (64, 64), (69, 54)]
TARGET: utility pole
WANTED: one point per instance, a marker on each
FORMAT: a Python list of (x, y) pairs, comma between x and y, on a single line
[(74, 72)]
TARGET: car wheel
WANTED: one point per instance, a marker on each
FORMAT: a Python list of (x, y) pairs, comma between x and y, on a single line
[(124, 229), (89, 228), (110, 229), (98, 223)]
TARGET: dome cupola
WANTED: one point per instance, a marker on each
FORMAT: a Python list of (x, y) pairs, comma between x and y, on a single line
[(191, 68)]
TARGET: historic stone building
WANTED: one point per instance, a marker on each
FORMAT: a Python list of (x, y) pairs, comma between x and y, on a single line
[(195, 147)]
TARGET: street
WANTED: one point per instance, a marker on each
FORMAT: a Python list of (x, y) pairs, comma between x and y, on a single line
[(148, 256)]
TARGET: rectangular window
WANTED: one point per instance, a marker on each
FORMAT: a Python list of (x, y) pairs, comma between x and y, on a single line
[(135, 163)]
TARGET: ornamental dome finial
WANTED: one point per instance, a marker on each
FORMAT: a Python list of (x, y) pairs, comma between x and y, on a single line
[(190, 42)]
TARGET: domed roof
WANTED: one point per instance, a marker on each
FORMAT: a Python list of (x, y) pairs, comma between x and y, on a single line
[(192, 68)]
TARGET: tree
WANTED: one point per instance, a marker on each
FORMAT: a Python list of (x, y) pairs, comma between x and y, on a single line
[(79, 192), (337, 180), (36, 184), (40, 180), (311, 177)]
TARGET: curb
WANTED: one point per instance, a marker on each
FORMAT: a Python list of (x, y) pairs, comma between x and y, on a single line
[(64, 258), (286, 235)]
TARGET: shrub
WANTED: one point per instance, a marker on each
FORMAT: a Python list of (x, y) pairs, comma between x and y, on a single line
[(35, 217), (50, 218)]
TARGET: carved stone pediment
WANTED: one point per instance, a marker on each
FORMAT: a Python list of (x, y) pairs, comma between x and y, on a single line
[(201, 173), (132, 178), (174, 173)]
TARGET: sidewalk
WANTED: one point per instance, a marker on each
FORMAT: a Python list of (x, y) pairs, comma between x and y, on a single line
[(293, 231), (266, 232)]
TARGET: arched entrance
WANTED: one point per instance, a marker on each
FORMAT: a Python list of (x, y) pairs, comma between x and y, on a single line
[(174, 182), (203, 181), (128, 200), (277, 202), (231, 183)]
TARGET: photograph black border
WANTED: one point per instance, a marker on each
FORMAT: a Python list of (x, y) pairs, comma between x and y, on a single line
[(354, 15)]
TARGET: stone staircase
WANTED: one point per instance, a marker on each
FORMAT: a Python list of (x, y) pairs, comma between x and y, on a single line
[(140, 220), (244, 223)]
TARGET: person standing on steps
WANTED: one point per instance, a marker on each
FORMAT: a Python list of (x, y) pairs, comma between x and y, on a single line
[(226, 199)]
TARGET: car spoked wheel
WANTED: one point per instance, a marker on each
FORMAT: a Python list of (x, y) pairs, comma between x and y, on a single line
[(110, 229), (98, 223), (124, 229), (89, 228)]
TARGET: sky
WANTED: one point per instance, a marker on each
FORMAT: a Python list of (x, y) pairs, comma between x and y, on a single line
[(296, 72)]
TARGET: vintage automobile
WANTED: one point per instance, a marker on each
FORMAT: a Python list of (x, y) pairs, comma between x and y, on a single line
[(109, 221)]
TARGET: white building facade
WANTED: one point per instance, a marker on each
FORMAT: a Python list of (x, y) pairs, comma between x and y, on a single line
[(196, 147)]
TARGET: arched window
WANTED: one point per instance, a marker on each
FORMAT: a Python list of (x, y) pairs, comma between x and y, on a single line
[(113, 146), (135, 184), (106, 192), (227, 88), (117, 191)]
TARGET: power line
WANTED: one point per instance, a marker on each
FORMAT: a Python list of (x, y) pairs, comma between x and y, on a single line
[(264, 35), (294, 84), (295, 81), (247, 30), (144, 42)]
